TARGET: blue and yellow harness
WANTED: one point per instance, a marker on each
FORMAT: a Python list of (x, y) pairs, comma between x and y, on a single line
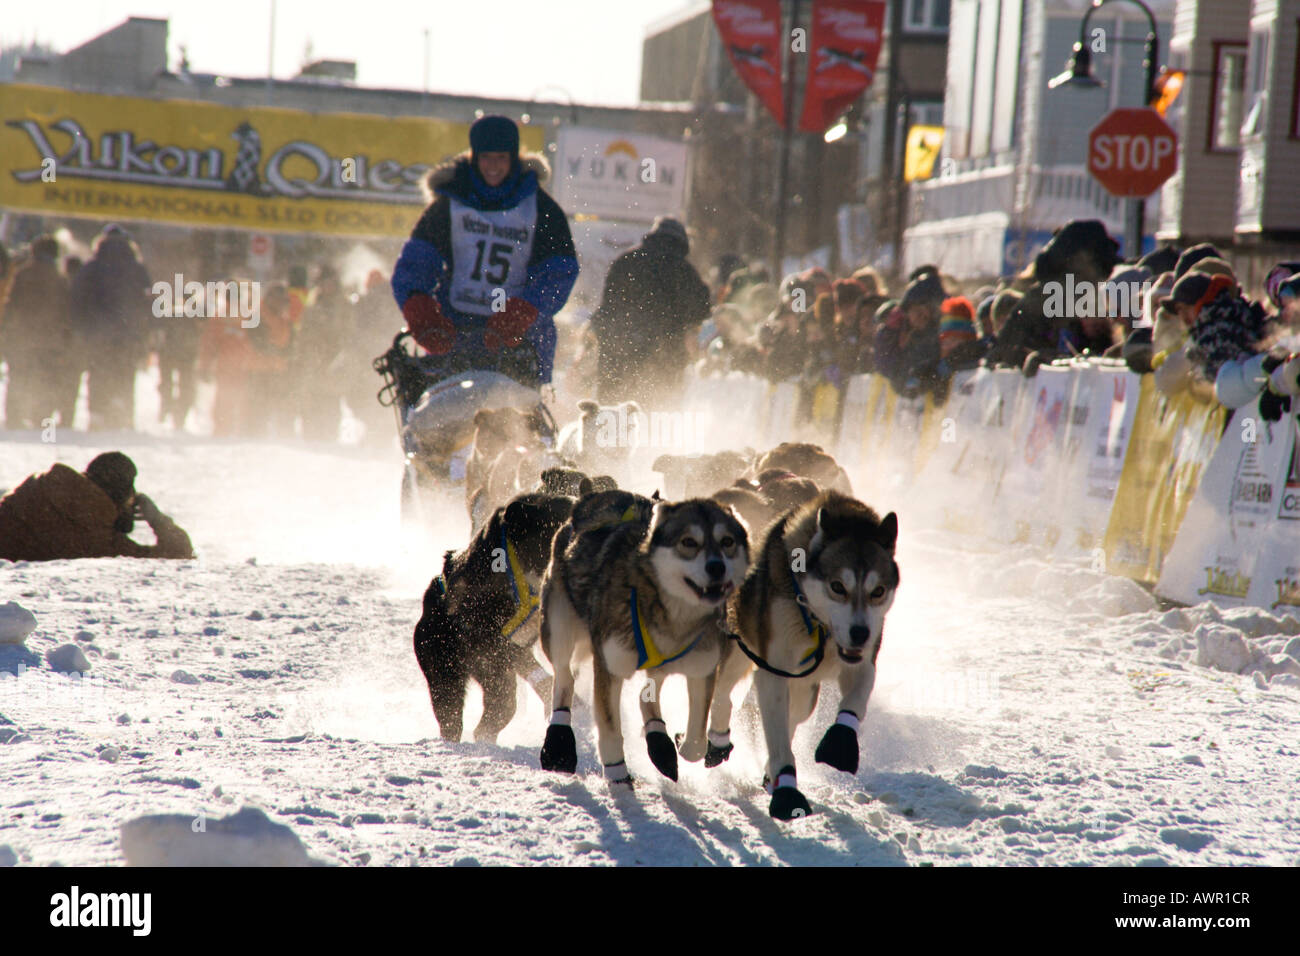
[(648, 654)]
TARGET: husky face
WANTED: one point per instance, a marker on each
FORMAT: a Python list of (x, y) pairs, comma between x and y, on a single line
[(699, 551), (851, 579)]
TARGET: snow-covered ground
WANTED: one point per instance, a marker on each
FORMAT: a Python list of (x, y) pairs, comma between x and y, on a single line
[(1026, 712)]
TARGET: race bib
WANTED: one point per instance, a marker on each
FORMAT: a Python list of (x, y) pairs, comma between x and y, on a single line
[(490, 252)]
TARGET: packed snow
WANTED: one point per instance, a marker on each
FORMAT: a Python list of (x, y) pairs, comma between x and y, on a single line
[(262, 704)]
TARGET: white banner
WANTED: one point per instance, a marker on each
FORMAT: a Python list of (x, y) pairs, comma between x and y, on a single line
[(1239, 544), (618, 175)]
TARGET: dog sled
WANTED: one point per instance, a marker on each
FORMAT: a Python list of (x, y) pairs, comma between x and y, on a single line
[(435, 399)]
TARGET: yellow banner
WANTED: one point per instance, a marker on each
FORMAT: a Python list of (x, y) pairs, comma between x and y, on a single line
[(126, 158), (1171, 443)]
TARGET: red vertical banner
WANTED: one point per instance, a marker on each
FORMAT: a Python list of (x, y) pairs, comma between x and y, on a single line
[(751, 33), (844, 47)]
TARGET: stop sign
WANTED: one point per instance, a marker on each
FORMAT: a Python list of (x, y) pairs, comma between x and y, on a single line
[(1132, 151)]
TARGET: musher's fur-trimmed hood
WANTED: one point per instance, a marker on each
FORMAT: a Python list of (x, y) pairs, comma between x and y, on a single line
[(446, 172)]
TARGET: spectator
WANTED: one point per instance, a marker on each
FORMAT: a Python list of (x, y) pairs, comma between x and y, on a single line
[(110, 308), (907, 347), (36, 340), (1204, 323), (64, 514), (653, 299), (1080, 250)]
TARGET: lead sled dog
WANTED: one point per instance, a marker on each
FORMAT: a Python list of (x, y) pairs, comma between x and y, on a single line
[(640, 585), (811, 611)]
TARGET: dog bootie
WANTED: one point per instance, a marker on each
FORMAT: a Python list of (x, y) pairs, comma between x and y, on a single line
[(660, 747), (839, 747), (560, 749), (720, 748), (787, 802), (716, 756)]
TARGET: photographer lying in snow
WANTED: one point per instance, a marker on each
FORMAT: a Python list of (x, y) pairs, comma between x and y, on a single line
[(64, 513)]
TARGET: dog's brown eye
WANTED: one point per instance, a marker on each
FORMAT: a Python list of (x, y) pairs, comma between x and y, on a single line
[(838, 588), (728, 543), (878, 593), (690, 543)]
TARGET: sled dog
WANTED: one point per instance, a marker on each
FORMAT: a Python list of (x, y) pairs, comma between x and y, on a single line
[(811, 609), (642, 585), (480, 615)]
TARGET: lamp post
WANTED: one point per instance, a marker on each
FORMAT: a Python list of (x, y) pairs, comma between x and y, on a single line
[(1078, 74)]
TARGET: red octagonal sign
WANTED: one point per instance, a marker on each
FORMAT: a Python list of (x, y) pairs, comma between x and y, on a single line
[(1132, 151)]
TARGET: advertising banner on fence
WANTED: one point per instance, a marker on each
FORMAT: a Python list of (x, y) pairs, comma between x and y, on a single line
[(616, 175), (64, 153), (1027, 501), (1101, 421), (1239, 543)]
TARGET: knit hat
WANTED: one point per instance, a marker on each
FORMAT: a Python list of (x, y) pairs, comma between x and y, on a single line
[(1192, 256), (1160, 260), (494, 134), (925, 289), (115, 473), (957, 324), (1214, 266), (668, 227)]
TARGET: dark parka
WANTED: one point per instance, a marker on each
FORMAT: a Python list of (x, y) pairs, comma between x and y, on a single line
[(653, 297)]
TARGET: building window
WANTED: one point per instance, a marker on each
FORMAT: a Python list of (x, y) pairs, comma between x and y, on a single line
[(928, 15), (1256, 100), (1229, 95)]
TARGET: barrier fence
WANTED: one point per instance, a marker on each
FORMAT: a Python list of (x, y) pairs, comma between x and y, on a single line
[(1086, 459)]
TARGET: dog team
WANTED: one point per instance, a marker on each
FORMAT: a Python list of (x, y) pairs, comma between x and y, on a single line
[(751, 564)]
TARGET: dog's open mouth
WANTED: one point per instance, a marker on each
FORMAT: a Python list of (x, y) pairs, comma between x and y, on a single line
[(713, 593), (849, 657)]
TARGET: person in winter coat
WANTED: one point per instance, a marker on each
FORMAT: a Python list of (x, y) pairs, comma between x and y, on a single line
[(36, 340), (490, 262), (1081, 249), (907, 346), (653, 299), (227, 354), (110, 305), (1204, 324), (63, 513)]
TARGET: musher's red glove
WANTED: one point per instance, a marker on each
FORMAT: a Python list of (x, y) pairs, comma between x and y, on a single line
[(507, 328), (431, 328)]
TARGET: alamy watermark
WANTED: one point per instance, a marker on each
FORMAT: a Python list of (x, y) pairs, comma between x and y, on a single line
[(231, 299), (1084, 300)]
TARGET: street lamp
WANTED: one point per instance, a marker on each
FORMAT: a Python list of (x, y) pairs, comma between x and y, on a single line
[(1078, 74)]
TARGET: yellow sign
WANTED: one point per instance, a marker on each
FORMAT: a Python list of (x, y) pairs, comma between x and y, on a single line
[(126, 158), (923, 145)]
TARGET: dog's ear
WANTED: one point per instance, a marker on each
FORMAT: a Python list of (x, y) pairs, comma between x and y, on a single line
[(588, 407), (889, 531), (585, 486), (604, 483), (655, 496)]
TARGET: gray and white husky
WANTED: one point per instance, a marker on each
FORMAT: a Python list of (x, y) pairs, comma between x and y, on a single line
[(640, 585), (811, 610)]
